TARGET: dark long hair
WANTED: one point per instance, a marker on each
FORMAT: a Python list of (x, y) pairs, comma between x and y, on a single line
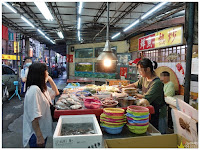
[(36, 76), (145, 63)]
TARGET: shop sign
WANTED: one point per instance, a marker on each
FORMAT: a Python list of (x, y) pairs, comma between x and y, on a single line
[(31, 52), (164, 38), (16, 47), (11, 36), (69, 58), (4, 32), (10, 57)]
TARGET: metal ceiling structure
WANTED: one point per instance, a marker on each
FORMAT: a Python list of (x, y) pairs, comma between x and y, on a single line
[(93, 20)]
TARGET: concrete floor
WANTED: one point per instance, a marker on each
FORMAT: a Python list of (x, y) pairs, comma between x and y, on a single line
[(12, 120)]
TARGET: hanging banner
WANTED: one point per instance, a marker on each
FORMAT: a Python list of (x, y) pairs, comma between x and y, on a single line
[(31, 52), (16, 47), (4, 32), (11, 36), (164, 38), (10, 57)]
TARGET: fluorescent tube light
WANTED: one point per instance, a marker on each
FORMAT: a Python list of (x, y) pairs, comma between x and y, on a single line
[(154, 9), (52, 42), (80, 7), (79, 23), (41, 32), (44, 10), (116, 35), (133, 24), (79, 38), (60, 34), (47, 38), (78, 33), (27, 21), (10, 7)]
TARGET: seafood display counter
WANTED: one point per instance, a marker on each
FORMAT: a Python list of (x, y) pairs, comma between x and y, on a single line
[(91, 99)]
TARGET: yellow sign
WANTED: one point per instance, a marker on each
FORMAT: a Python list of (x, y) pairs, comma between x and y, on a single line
[(16, 47), (170, 36), (10, 57)]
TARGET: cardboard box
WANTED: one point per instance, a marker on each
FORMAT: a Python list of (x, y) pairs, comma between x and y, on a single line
[(78, 141), (159, 141), (184, 125)]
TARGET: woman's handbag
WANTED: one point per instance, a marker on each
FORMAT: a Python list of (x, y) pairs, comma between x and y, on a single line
[(52, 109)]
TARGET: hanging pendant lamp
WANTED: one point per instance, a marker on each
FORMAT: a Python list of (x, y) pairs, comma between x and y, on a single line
[(107, 55)]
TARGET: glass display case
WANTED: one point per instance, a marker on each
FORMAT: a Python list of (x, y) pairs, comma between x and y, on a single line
[(88, 67), (84, 53), (98, 50), (132, 73)]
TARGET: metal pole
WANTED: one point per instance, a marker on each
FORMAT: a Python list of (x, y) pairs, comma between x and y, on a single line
[(67, 63), (107, 34), (49, 61), (189, 51)]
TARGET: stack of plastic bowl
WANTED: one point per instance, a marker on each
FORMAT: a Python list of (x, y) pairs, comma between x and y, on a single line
[(137, 119), (113, 120)]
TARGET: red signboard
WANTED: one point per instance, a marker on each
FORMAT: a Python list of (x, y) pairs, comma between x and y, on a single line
[(69, 58), (164, 38), (147, 42), (4, 32), (123, 71)]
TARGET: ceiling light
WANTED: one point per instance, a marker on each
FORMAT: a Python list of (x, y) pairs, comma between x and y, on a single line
[(44, 10), (60, 34), (80, 7), (79, 23), (107, 53), (154, 9), (78, 33), (133, 24), (47, 38), (52, 42), (10, 7), (41, 32), (27, 21), (115, 35)]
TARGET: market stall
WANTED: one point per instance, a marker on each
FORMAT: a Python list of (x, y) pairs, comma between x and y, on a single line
[(114, 111), (91, 99)]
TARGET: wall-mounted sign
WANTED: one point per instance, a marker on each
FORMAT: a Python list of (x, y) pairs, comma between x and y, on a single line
[(10, 57), (69, 58), (123, 71), (164, 38)]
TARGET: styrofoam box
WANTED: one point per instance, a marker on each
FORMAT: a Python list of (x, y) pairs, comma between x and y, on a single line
[(78, 141)]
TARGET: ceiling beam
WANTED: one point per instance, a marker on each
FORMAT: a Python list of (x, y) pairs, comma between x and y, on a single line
[(32, 15), (100, 12), (129, 9), (153, 21), (58, 21)]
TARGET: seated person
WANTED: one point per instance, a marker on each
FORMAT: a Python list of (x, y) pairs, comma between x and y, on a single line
[(169, 90)]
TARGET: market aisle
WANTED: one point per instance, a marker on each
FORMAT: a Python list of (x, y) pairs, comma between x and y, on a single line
[(12, 119)]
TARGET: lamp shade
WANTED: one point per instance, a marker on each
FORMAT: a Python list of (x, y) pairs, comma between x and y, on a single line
[(107, 53)]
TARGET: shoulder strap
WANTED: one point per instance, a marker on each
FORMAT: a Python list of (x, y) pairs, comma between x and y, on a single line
[(152, 82)]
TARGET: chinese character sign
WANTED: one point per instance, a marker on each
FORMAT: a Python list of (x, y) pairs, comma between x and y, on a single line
[(164, 38), (147, 42)]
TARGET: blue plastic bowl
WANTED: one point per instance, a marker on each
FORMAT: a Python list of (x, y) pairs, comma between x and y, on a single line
[(116, 130)]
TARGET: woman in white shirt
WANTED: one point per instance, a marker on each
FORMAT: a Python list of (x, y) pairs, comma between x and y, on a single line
[(37, 120)]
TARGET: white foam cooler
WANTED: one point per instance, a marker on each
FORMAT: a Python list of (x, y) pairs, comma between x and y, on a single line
[(78, 141)]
